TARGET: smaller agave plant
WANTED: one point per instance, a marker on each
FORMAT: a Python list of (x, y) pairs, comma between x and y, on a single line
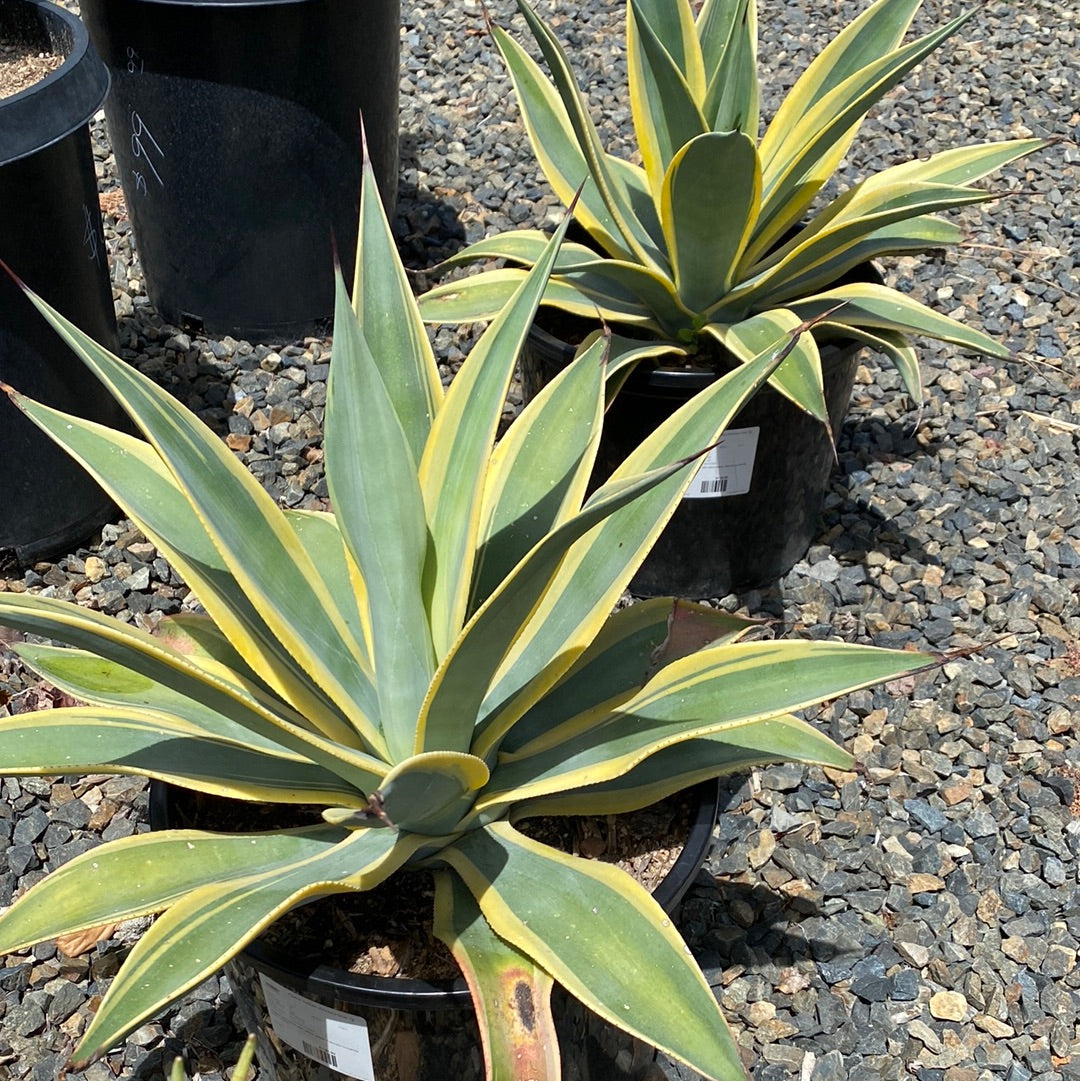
[(437, 659), (714, 240)]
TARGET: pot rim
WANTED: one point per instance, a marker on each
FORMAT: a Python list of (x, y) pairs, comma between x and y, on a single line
[(325, 981), (656, 375), (687, 380), (61, 102)]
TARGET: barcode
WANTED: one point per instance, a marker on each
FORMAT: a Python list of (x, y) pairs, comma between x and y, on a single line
[(711, 487), (320, 1054)]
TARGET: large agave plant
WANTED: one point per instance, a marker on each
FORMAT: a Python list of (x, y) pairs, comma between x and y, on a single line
[(715, 239), (432, 662)]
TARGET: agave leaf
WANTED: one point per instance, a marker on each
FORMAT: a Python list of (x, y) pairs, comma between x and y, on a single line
[(163, 745), (624, 354), (634, 235), (387, 538), (626, 289), (959, 165), (242, 1070), (195, 634), (671, 27), (877, 308), (635, 183), (799, 378), (210, 924), (596, 570), (145, 873), (392, 327), (707, 223), (559, 911), (665, 87), (708, 693), (915, 235), (455, 459), (727, 30), (248, 529), (522, 246), (794, 171), (715, 24), (894, 345), (430, 792), (675, 768), (872, 35), (632, 646), (238, 702), (848, 221), (458, 687), (138, 480), (482, 297), (511, 995), (98, 681), (321, 538), (650, 291), (555, 145), (540, 469)]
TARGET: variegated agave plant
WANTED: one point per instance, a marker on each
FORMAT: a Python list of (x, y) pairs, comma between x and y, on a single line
[(432, 662), (714, 240)]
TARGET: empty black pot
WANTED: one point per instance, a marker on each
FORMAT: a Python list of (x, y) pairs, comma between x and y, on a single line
[(236, 128), (51, 236)]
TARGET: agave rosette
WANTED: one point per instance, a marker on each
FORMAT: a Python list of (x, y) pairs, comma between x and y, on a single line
[(715, 239), (430, 663)]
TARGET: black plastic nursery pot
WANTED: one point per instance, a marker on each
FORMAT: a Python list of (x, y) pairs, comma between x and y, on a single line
[(752, 509), (51, 236), (236, 129), (315, 1022)]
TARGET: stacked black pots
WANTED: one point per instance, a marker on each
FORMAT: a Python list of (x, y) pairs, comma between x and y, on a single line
[(51, 236)]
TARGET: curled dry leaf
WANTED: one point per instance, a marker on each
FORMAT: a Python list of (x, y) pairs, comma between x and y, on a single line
[(84, 941)]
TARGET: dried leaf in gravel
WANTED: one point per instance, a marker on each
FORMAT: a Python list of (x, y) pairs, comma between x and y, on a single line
[(84, 941)]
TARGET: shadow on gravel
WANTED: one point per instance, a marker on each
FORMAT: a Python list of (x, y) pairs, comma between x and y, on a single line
[(426, 227), (869, 439), (860, 529), (850, 526), (207, 1041), (729, 922), (170, 356), (745, 923)]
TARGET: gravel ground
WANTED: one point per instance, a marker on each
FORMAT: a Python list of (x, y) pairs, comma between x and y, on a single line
[(918, 917)]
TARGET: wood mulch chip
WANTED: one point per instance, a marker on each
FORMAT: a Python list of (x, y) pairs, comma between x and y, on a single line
[(21, 67)]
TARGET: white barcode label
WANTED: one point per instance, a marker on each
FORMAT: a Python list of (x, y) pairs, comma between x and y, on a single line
[(334, 1038), (727, 468), (319, 1054)]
